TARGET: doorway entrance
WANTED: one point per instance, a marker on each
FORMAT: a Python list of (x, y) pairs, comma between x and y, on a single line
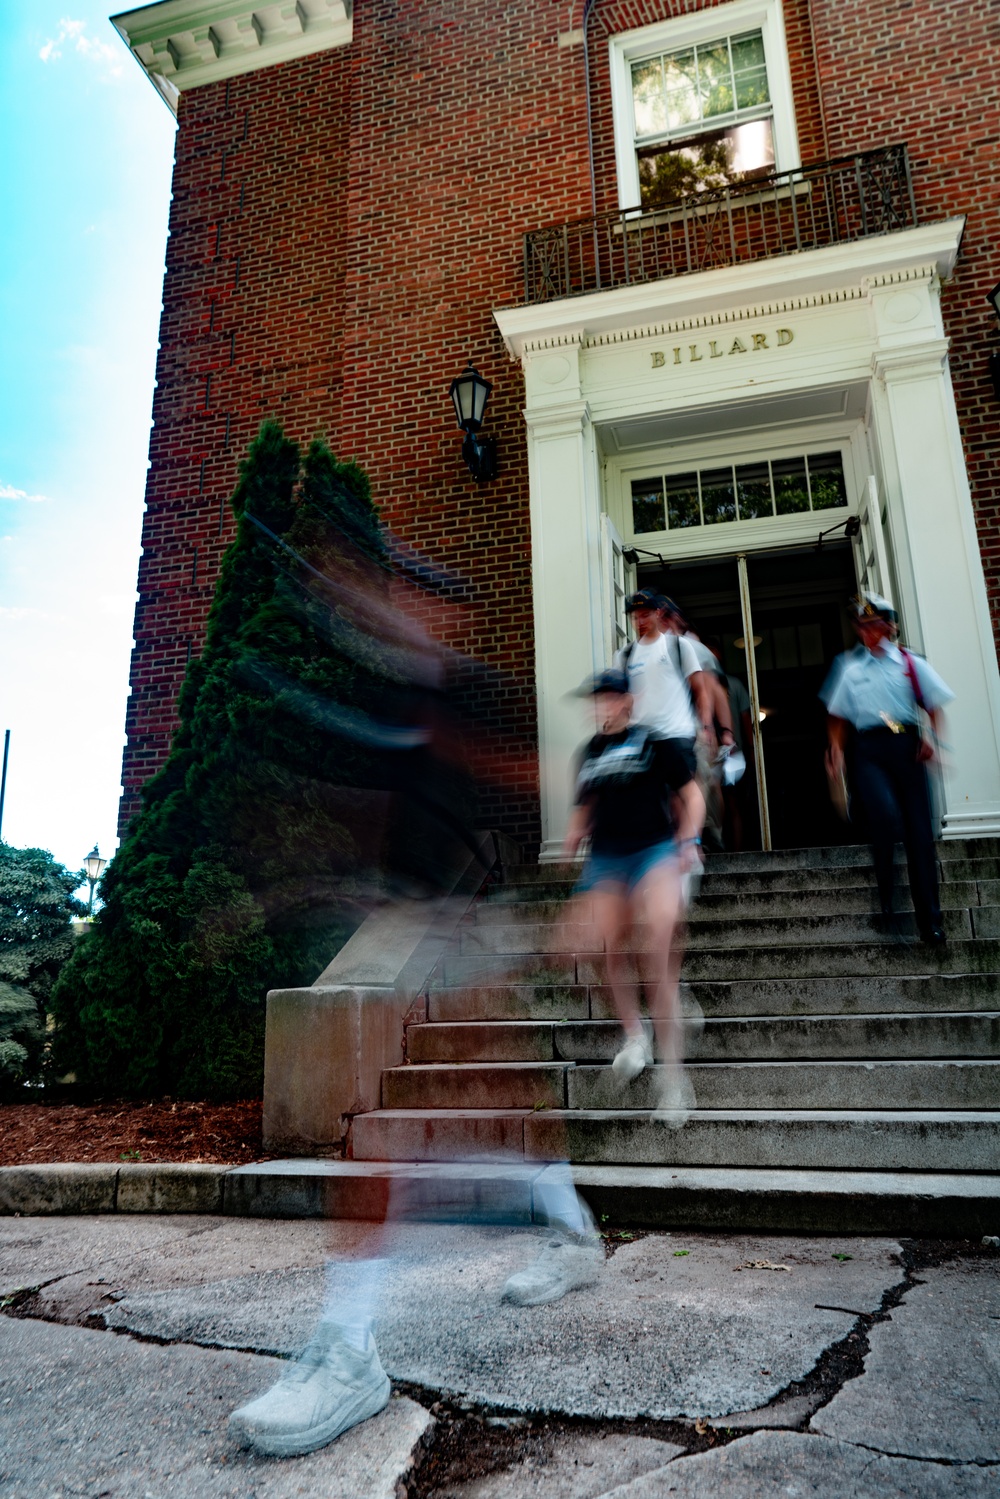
[(795, 601)]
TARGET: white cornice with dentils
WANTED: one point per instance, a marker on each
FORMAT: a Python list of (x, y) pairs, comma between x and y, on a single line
[(834, 273), (182, 44)]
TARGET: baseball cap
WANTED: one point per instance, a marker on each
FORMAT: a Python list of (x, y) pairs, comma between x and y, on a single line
[(645, 598), (605, 681)]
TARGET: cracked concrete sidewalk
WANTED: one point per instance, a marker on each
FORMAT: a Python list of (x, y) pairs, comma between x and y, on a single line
[(694, 1367)]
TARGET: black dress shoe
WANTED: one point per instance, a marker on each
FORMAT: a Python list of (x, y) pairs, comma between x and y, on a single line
[(934, 936)]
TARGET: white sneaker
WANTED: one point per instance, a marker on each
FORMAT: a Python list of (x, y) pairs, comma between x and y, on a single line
[(676, 1098), (635, 1056), (563, 1265), (330, 1388)]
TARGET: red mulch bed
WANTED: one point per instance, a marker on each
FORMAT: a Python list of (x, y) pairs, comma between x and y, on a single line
[(158, 1130)]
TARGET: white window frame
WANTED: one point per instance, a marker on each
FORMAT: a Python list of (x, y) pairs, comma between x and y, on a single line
[(730, 19), (847, 438)]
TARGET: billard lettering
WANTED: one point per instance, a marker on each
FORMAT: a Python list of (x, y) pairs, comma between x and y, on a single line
[(782, 336)]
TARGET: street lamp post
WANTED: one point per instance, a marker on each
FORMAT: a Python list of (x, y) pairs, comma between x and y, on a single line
[(94, 866)]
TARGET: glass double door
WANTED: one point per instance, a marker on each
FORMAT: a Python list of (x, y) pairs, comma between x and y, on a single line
[(778, 620)]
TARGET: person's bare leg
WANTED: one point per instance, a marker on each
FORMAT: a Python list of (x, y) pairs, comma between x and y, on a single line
[(613, 922), (661, 895)]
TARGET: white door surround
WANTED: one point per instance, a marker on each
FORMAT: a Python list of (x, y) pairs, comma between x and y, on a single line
[(866, 313)]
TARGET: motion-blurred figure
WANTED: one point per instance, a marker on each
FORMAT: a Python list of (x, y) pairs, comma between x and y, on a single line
[(715, 728), (742, 744), (670, 698), (879, 690), (633, 870)]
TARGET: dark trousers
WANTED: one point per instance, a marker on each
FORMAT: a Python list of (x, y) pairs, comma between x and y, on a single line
[(892, 785)]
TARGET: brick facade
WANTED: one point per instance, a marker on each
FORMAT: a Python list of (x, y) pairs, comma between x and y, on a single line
[(342, 226)]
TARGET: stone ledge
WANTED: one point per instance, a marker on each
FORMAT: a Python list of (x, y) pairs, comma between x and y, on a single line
[(103, 1187), (924, 1204)]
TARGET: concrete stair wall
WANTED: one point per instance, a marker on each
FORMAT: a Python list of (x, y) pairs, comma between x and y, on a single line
[(829, 1046)]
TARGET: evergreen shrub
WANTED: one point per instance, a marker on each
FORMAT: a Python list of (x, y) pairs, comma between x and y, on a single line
[(240, 872)]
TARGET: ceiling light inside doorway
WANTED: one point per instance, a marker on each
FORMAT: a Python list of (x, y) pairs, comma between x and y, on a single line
[(741, 645)]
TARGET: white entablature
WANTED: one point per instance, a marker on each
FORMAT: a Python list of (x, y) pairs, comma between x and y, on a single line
[(182, 44)]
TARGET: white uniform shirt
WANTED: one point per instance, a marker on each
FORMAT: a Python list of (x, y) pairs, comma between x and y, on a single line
[(661, 692), (862, 687)]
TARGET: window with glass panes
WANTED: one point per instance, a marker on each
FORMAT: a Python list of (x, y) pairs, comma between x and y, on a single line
[(703, 117), (738, 491)]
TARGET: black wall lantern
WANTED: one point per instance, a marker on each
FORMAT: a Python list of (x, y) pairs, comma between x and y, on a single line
[(994, 300), (470, 392)]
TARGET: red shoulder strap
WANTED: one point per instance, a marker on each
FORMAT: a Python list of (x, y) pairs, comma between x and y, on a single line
[(911, 672)]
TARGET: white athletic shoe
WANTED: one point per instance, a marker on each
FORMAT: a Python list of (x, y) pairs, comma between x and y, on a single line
[(676, 1098), (563, 1265), (330, 1388), (635, 1056)]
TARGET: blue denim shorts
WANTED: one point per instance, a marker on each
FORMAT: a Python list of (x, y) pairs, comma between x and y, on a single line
[(624, 869)]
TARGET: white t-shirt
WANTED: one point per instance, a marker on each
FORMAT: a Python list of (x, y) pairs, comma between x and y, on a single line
[(661, 693)]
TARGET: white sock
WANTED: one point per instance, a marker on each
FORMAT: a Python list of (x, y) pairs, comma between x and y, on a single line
[(561, 1206), (353, 1289)]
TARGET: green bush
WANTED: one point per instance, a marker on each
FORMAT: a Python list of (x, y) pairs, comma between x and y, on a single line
[(36, 938), (240, 872)]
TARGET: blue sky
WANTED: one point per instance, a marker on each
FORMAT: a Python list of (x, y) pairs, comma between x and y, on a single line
[(84, 195)]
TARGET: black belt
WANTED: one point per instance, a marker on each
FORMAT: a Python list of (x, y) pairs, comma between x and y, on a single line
[(892, 731)]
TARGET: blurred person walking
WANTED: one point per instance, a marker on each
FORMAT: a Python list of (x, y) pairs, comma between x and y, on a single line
[(738, 699), (715, 729), (633, 871), (874, 698), (670, 698)]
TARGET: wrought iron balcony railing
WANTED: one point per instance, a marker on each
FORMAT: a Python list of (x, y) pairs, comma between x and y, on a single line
[(827, 203)]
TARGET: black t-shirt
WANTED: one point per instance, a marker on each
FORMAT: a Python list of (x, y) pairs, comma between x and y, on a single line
[(622, 778)]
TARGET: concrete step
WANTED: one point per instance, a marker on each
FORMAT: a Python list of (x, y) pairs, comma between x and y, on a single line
[(753, 1038), (724, 874), (919, 1204), (784, 961), (718, 1085), (817, 960), (840, 900), (918, 1085), (709, 931), (863, 995), (474, 1085), (860, 1140)]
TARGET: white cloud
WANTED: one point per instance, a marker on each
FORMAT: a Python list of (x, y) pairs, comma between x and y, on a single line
[(74, 33), (8, 492)]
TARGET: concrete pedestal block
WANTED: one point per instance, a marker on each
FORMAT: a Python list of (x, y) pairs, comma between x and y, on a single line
[(325, 1051), (326, 1047)]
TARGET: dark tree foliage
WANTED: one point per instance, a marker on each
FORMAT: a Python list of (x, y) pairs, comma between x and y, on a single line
[(239, 873), (36, 907)]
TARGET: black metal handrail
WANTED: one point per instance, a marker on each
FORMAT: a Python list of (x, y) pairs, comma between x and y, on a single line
[(827, 203)]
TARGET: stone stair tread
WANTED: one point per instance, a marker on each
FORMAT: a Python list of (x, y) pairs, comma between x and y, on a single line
[(534, 939), (673, 1196), (736, 1116)]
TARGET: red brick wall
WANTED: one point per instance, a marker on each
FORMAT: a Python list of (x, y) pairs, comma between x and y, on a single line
[(343, 225), (374, 199), (924, 72), (252, 316)]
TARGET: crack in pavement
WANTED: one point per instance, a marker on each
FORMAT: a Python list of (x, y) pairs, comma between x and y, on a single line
[(489, 1438)]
